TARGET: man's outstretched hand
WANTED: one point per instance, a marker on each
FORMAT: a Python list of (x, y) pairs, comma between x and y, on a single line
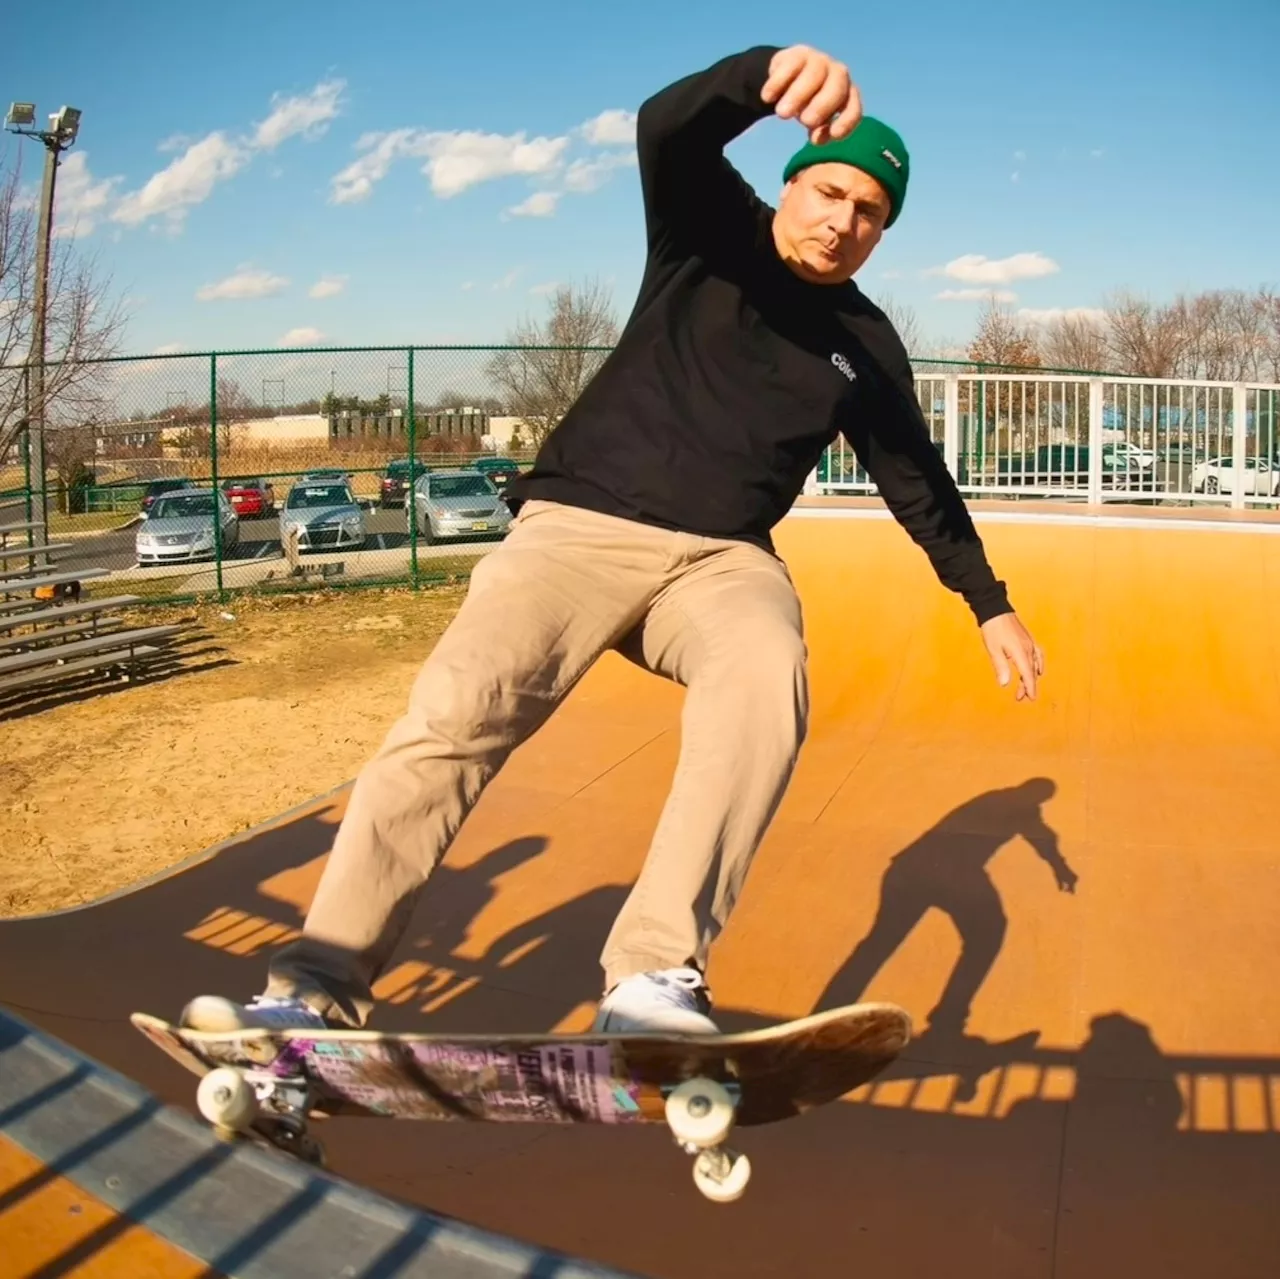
[(814, 88), (1008, 641)]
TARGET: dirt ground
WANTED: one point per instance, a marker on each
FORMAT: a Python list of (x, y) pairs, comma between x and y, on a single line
[(290, 698)]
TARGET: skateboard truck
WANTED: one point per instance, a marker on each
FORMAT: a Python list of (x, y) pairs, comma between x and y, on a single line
[(239, 1102), (700, 1114)]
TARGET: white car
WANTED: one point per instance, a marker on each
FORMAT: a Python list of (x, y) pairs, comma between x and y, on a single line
[(1217, 475), (179, 526), (1133, 454)]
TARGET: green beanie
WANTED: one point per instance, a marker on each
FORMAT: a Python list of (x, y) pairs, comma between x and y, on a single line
[(872, 147)]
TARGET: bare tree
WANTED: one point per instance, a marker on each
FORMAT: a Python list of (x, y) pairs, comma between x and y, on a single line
[(1145, 340), (82, 323), (69, 451), (552, 363), (1003, 341), (1004, 344), (1076, 342), (904, 320)]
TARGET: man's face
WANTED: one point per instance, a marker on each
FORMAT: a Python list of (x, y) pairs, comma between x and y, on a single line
[(830, 218)]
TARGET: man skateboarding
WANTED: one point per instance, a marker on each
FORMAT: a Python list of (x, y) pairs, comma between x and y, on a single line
[(645, 527)]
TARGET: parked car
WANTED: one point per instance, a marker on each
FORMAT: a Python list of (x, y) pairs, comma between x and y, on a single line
[(180, 526), (501, 470), (395, 483), (1217, 475), (251, 497), (326, 475), (325, 515), (456, 504), (158, 488)]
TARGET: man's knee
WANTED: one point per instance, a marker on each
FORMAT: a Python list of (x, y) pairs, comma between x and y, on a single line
[(767, 672)]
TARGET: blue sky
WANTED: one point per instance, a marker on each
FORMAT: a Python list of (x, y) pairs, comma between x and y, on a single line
[(1058, 152)]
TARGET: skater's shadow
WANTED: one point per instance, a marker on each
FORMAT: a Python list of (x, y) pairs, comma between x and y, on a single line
[(446, 977), (946, 869)]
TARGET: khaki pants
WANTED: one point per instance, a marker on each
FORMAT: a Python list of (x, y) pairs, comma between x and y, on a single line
[(720, 617)]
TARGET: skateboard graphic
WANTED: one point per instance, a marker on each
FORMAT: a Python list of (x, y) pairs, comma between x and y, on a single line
[(266, 1084)]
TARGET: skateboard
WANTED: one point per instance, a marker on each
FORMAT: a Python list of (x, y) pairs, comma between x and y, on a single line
[(265, 1084)]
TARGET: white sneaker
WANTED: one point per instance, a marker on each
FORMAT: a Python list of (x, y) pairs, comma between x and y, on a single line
[(673, 1001), (220, 1016)]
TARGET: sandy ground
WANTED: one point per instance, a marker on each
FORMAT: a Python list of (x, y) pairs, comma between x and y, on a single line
[(289, 700)]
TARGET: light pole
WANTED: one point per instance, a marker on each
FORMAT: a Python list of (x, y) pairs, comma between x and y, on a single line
[(64, 125)]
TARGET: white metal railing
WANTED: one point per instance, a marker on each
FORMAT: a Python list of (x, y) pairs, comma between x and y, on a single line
[(1092, 439)]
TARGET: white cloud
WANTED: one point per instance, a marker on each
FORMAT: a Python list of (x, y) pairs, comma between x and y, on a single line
[(461, 160), (545, 290), (302, 337), (185, 182), (307, 113), (245, 283), (455, 160), (169, 348), (202, 163), (614, 127), (1015, 177), (79, 200), (974, 268), (328, 286), (1019, 156), (974, 295), (1097, 153), (541, 204), (590, 175), (1047, 315), (507, 280), (468, 285)]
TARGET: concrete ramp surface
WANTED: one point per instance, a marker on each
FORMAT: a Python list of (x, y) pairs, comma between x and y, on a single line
[(1076, 900)]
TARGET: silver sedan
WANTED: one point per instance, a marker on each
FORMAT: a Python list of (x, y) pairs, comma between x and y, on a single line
[(456, 504), (179, 526), (325, 516)]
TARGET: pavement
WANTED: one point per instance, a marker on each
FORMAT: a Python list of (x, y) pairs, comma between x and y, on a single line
[(1075, 899)]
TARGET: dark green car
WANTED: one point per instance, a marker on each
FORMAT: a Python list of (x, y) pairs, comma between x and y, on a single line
[(500, 471)]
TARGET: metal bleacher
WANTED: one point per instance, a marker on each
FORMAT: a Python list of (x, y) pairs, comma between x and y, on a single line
[(48, 631)]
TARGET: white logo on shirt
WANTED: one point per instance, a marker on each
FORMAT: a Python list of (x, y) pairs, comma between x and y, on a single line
[(844, 366)]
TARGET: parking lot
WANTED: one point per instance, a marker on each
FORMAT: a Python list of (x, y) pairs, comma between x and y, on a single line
[(259, 554)]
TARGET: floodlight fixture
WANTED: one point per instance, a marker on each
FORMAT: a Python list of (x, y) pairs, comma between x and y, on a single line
[(20, 114), (66, 124)]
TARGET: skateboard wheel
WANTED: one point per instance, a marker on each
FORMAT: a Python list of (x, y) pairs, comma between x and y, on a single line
[(226, 1100), (719, 1186), (700, 1112)]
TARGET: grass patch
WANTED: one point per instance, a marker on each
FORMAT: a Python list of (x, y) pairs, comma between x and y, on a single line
[(92, 522)]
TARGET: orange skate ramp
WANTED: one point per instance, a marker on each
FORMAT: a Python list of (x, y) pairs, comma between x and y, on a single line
[(1096, 1086)]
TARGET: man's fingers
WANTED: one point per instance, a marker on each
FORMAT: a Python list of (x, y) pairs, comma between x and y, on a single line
[(847, 110), (1025, 663), (813, 88), (1001, 665), (829, 96), (801, 90), (782, 70)]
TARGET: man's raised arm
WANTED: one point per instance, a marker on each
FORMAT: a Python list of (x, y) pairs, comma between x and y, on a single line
[(681, 133)]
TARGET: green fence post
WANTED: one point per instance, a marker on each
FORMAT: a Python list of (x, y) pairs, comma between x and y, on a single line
[(410, 497), (213, 470)]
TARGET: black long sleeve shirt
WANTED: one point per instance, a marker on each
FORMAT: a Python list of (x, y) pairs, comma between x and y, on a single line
[(732, 375)]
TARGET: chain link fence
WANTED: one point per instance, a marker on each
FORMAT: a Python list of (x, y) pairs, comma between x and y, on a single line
[(203, 474)]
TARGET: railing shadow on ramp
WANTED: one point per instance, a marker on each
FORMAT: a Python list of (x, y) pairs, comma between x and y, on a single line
[(237, 1210), (981, 1159)]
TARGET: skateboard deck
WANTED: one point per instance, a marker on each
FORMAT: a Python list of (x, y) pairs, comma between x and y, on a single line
[(268, 1082)]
